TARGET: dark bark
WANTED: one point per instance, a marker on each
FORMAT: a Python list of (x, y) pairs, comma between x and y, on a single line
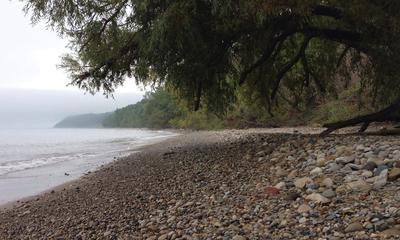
[(289, 66), (364, 127), (384, 115), (198, 97), (323, 10), (267, 53)]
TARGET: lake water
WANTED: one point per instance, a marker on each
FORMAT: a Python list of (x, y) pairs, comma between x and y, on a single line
[(34, 160)]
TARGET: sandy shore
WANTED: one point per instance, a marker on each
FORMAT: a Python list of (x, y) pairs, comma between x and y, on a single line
[(200, 185)]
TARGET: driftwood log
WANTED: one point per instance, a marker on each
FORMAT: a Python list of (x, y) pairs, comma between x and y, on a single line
[(384, 115)]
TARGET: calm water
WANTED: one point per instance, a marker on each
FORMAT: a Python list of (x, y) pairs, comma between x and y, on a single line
[(32, 161), (26, 149)]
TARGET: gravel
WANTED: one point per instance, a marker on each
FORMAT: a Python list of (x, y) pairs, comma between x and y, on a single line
[(248, 184)]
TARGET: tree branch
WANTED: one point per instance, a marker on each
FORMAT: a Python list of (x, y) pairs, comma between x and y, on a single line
[(267, 54), (323, 10), (344, 53), (105, 23), (349, 38), (289, 65)]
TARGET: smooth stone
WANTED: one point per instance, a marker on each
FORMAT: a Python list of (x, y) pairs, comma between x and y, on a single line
[(383, 154), (292, 174), (379, 169), (380, 225), (369, 155), (302, 220), (391, 232), (381, 180), (344, 150), (345, 160), (342, 189), (301, 182), (367, 174), (360, 147), (280, 185), (346, 169), (359, 186), (394, 174), (312, 186), (327, 182), (304, 208), (396, 164), (329, 193), (316, 171), (163, 237), (354, 167), (370, 166), (351, 178), (279, 171), (321, 162), (354, 227), (238, 237), (333, 167), (318, 198), (292, 196)]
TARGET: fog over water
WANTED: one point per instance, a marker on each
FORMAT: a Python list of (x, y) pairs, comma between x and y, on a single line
[(27, 108)]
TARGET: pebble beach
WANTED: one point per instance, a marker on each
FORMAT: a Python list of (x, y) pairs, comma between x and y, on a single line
[(232, 184)]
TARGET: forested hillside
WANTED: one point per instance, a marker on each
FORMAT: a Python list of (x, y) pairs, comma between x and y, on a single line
[(90, 120), (162, 109)]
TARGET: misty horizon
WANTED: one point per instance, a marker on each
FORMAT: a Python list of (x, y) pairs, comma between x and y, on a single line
[(33, 90), (29, 108)]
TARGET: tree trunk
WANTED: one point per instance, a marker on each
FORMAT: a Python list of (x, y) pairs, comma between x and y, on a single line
[(384, 115)]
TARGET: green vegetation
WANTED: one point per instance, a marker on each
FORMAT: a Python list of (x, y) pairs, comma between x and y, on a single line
[(154, 111), (91, 120), (160, 109), (219, 55)]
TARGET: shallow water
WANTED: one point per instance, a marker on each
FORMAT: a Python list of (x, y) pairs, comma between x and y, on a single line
[(34, 160)]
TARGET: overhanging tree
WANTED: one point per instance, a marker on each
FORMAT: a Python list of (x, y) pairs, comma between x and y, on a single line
[(207, 49)]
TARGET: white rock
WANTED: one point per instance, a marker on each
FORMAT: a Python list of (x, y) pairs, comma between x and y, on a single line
[(316, 171), (290, 158), (381, 180), (327, 182), (280, 185), (302, 220), (318, 198), (301, 182)]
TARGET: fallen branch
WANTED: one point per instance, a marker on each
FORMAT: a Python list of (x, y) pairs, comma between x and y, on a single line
[(380, 116)]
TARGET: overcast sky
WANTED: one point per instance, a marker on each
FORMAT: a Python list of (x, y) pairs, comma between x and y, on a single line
[(30, 82)]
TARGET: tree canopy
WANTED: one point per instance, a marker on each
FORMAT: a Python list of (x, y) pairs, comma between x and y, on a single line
[(206, 49)]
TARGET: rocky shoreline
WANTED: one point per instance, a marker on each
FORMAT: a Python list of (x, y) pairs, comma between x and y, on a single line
[(249, 184)]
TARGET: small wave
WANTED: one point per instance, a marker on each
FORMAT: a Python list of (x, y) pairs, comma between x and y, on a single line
[(122, 140), (16, 166)]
